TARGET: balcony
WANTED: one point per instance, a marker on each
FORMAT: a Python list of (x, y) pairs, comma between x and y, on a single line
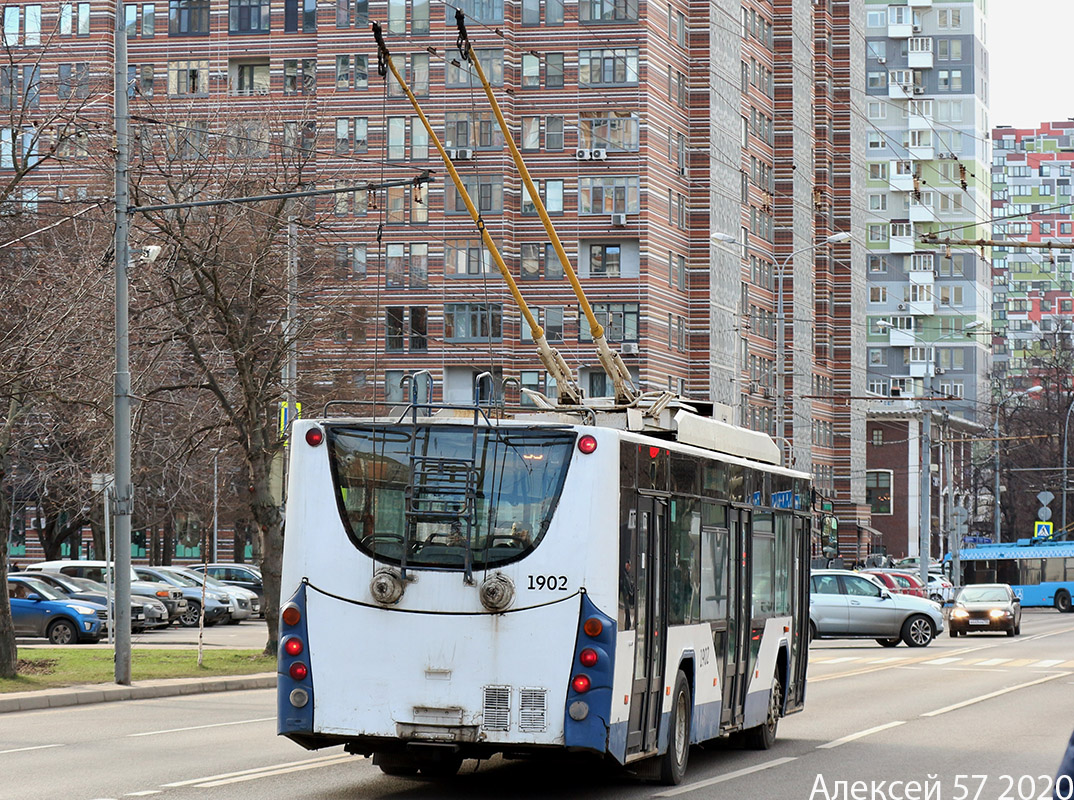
[(903, 243), (921, 277), (920, 212), (919, 3), (900, 30), (902, 179), (922, 153), (920, 52), (900, 91), (900, 338)]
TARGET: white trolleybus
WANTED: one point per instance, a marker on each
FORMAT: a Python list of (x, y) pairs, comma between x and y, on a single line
[(459, 582)]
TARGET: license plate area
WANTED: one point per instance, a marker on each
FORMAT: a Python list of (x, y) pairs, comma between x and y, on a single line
[(978, 622)]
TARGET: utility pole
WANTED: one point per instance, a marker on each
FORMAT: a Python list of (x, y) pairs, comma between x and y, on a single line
[(924, 546), (122, 415)]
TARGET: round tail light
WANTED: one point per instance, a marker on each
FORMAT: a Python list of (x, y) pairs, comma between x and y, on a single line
[(298, 671), (588, 657), (314, 437), (593, 627), (293, 646), (587, 444), (291, 615), (580, 683)]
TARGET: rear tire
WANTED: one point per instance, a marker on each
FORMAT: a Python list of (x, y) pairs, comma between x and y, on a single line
[(673, 762), (888, 642), (812, 632), (918, 631), (189, 618), (1062, 601), (764, 736)]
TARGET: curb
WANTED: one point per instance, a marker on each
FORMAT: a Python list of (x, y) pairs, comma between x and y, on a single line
[(107, 693)]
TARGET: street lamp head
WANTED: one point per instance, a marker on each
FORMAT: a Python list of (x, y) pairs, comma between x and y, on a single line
[(884, 324), (726, 238), (835, 238), (973, 325)]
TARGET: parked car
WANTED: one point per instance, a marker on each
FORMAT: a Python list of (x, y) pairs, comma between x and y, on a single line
[(156, 612), (940, 588), (900, 581), (845, 604), (39, 610), (986, 607), (96, 571), (245, 575), (217, 604), (67, 586), (245, 602)]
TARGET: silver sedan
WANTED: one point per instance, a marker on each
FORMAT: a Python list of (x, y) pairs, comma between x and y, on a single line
[(850, 605)]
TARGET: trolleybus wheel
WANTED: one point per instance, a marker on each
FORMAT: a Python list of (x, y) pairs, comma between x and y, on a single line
[(764, 736), (396, 764), (673, 762), (1062, 602)]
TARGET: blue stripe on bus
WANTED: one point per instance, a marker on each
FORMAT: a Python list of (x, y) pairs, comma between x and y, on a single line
[(288, 718), (705, 724), (594, 731)]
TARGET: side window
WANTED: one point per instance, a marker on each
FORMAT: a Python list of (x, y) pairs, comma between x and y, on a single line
[(824, 584), (860, 587), (903, 582)]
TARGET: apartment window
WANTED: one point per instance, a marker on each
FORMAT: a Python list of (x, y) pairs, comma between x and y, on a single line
[(878, 171), (130, 19), (878, 491), (531, 71), (611, 130), (604, 260), (877, 80), (475, 130), (188, 78), (396, 205), (486, 192), (876, 141), (301, 12), (352, 260), (486, 11), (553, 70), (419, 143), (458, 71), (620, 321), (877, 232), (419, 265), (73, 80), (419, 74), (530, 262), (250, 78), (607, 10), (878, 202), (878, 294), (397, 138), (531, 134), (949, 19), (188, 17), (396, 16), (248, 16), (531, 12), (12, 16), (553, 134), (608, 66), (393, 328), (466, 257), (419, 329), (608, 195), (146, 83), (299, 76), (473, 322)]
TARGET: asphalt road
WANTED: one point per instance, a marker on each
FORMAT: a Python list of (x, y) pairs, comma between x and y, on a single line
[(988, 706)]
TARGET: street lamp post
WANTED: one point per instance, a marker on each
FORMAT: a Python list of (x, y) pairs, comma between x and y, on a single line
[(216, 527), (781, 265), (995, 464)]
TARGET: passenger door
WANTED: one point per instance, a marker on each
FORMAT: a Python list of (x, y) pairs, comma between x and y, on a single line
[(735, 679), (829, 605), (651, 626), (872, 609)]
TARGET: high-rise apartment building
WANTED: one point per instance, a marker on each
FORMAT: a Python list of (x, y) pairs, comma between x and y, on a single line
[(928, 154), (1032, 202), (649, 128)]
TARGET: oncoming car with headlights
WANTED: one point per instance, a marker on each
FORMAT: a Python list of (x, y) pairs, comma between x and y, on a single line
[(986, 607)]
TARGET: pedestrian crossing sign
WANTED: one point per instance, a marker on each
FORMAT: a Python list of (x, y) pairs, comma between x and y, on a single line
[(1042, 529)]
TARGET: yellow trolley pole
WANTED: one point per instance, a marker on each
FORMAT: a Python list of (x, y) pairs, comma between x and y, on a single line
[(569, 393), (611, 361)]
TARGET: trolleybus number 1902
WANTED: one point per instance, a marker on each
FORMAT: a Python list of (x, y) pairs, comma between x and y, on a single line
[(548, 582)]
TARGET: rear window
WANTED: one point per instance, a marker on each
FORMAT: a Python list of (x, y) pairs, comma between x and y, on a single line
[(402, 488)]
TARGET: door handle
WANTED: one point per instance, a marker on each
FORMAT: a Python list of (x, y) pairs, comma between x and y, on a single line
[(855, 602)]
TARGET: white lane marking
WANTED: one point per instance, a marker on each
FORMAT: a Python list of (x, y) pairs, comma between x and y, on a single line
[(143, 793), (338, 760), (24, 749), (990, 695), (860, 734), (939, 661), (994, 662), (842, 660), (201, 727), (1048, 662), (248, 771), (888, 660), (729, 776)]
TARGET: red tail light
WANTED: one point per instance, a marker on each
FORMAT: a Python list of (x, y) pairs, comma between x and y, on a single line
[(291, 615), (588, 657), (293, 646), (314, 436), (580, 683), (298, 671), (593, 627), (587, 444)]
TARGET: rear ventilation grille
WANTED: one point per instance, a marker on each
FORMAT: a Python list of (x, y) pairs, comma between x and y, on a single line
[(497, 708), (531, 710)]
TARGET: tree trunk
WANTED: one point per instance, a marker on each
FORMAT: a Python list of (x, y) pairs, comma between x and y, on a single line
[(269, 540), (9, 653)]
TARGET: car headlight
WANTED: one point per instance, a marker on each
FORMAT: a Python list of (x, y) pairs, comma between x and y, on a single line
[(87, 611), (996, 613), (960, 613)]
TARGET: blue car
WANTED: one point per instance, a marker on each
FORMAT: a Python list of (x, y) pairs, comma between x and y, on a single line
[(39, 610)]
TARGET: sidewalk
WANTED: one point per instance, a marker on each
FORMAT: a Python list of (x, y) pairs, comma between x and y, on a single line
[(108, 692)]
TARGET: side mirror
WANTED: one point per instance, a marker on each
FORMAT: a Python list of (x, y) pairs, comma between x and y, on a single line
[(35, 597), (885, 594), (1017, 599)]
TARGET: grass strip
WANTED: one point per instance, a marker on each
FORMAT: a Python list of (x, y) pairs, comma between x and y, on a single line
[(50, 668)]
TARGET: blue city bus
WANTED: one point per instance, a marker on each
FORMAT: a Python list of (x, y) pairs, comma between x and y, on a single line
[(1040, 572)]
